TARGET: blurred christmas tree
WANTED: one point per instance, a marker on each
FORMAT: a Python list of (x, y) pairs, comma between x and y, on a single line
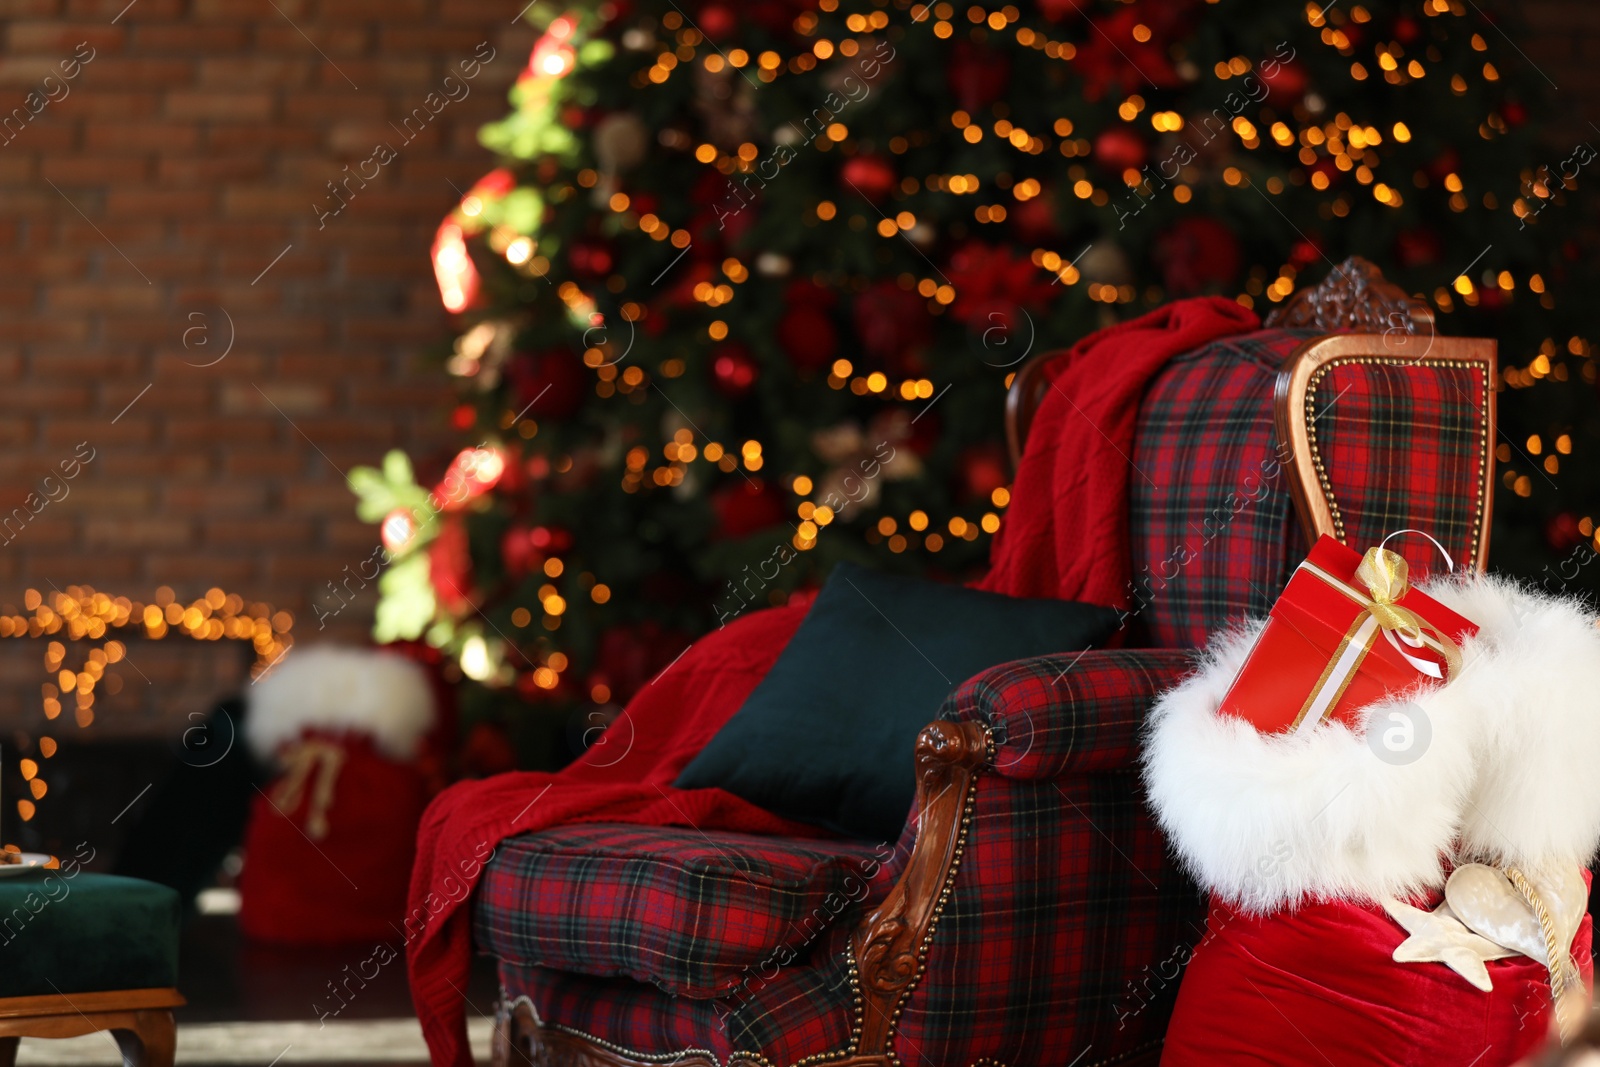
[(746, 295)]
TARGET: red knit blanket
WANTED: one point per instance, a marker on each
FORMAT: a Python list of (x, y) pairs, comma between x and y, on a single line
[(1065, 537)]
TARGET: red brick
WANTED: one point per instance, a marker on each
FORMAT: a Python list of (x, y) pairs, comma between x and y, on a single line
[(145, 73), (98, 295), (94, 170), (204, 430), (258, 72), (140, 11), (209, 171), (28, 72), (335, 42), (141, 136), (259, 530), (215, 498), (225, 107), (41, 396), (253, 138), (146, 203), (101, 434), (135, 532), (249, 11), (62, 38), (189, 39)]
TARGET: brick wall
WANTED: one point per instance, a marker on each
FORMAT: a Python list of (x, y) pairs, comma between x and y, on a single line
[(159, 204)]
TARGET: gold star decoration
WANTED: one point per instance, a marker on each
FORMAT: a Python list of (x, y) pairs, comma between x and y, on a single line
[(1437, 936)]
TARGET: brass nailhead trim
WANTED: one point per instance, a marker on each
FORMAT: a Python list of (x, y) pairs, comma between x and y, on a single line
[(1486, 459)]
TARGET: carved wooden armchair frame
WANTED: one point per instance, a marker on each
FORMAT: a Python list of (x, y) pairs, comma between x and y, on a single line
[(889, 945)]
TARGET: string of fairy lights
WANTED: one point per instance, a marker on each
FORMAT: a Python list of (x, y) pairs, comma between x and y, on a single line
[(82, 615)]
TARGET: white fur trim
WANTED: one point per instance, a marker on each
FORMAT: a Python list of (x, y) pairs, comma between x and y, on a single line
[(339, 688), (1269, 821), (1532, 676)]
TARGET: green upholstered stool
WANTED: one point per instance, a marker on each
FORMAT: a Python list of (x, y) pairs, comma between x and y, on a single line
[(82, 952)]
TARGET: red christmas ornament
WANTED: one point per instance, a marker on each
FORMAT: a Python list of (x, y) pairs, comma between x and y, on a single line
[(983, 470), (1304, 253), (487, 750), (1447, 163), (464, 417), (733, 370), (549, 384), (1418, 247), (591, 259), (1198, 254), (552, 539), (745, 507), (977, 76), (806, 333), (992, 283), (1562, 532), (1118, 148), (1113, 60), (1286, 84), (516, 549), (717, 22), (450, 565), (1034, 220), (629, 656), (893, 326), (872, 176)]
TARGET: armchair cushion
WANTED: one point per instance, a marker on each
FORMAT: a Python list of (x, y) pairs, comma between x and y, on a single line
[(693, 913), (827, 736)]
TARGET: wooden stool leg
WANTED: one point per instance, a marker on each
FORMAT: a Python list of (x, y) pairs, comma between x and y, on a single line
[(8, 1051), (151, 1043)]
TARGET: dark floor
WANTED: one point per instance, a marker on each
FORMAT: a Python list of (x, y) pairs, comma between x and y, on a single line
[(229, 978)]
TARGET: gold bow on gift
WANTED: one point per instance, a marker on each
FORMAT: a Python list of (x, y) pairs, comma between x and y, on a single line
[(1384, 574)]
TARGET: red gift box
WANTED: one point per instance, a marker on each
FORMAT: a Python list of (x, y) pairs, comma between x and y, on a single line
[(1333, 643)]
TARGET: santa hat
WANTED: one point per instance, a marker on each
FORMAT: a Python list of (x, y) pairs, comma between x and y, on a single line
[(1502, 768)]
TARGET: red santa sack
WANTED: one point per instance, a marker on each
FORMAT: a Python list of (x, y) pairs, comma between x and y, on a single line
[(330, 841), (1401, 885)]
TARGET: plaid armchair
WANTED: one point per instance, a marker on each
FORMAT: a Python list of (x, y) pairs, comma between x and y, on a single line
[(1029, 913)]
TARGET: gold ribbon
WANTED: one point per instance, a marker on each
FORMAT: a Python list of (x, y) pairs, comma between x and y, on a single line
[(1384, 573), (1566, 985), (300, 761)]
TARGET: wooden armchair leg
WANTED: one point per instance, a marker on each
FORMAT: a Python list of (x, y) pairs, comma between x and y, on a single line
[(152, 1041), (8, 1051)]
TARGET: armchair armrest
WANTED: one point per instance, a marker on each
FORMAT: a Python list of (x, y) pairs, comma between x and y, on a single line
[(1067, 714), (1026, 727)]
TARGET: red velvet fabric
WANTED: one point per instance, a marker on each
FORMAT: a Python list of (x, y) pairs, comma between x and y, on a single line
[(348, 885), (1066, 536), (1318, 985), (1066, 533)]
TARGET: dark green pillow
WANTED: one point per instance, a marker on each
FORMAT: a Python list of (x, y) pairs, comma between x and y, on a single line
[(827, 737)]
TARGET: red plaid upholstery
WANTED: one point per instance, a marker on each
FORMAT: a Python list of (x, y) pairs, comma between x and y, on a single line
[(692, 913), (1065, 905), (1430, 426), (1214, 528), (784, 1014)]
